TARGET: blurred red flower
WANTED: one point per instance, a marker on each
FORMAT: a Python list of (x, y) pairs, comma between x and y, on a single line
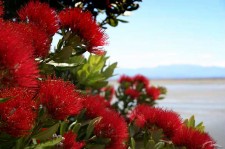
[(36, 37), (41, 15), (111, 125), (17, 65), (125, 78), (146, 116), (60, 99), (132, 93), (141, 79), (82, 25), (18, 113), (153, 92), (70, 141), (95, 105), (193, 139), (40, 41)]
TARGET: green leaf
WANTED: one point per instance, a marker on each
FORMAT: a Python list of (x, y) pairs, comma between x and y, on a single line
[(47, 133), (157, 135), (99, 84), (46, 68), (95, 78), (63, 55), (133, 130), (159, 145), (63, 127), (109, 70), (112, 22), (133, 144), (76, 128), (123, 21), (200, 127), (7, 141), (73, 41), (191, 122), (67, 35), (90, 74), (96, 62), (4, 100), (76, 60), (133, 7), (91, 126), (59, 45), (99, 140), (150, 144), (46, 145), (94, 73), (71, 125), (9, 144), (81, 115)]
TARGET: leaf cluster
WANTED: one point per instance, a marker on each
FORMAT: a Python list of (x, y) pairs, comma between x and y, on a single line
[(111, 9)]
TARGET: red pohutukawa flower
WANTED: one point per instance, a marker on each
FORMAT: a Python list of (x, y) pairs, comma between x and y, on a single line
[(141, 79), (146, 116), (17, 66), (193, 139), (125, 78), (59, 98), (82, 25), (36, 37), (70, 141), (95, 105), (132, 93), (40, 40), (41, 15), (153, 92), (18, 113), (111, 126)]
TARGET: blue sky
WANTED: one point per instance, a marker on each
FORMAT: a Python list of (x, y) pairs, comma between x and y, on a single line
[(165, 32)]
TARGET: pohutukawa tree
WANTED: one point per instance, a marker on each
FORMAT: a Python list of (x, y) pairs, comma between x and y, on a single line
[(61, 99)]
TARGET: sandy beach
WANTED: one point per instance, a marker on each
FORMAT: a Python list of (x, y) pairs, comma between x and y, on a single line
[(204, 98)]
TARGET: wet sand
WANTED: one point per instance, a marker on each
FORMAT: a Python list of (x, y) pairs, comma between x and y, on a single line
[(204, 98)]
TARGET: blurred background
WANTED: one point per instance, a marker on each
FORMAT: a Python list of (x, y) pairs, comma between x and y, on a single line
[(179, 45)]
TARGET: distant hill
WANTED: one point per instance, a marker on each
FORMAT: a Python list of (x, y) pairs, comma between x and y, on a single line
[(175, 72)]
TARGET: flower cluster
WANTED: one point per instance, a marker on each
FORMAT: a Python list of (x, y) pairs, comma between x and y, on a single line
[(18, 113), (70, 141), (146, 117), (111, 125), (136, 90), (41, 15), (39, 27), (55, 110), (60, 98), (22, 42), (193, 139), (138, 86), (18, 67), (85, 28)]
